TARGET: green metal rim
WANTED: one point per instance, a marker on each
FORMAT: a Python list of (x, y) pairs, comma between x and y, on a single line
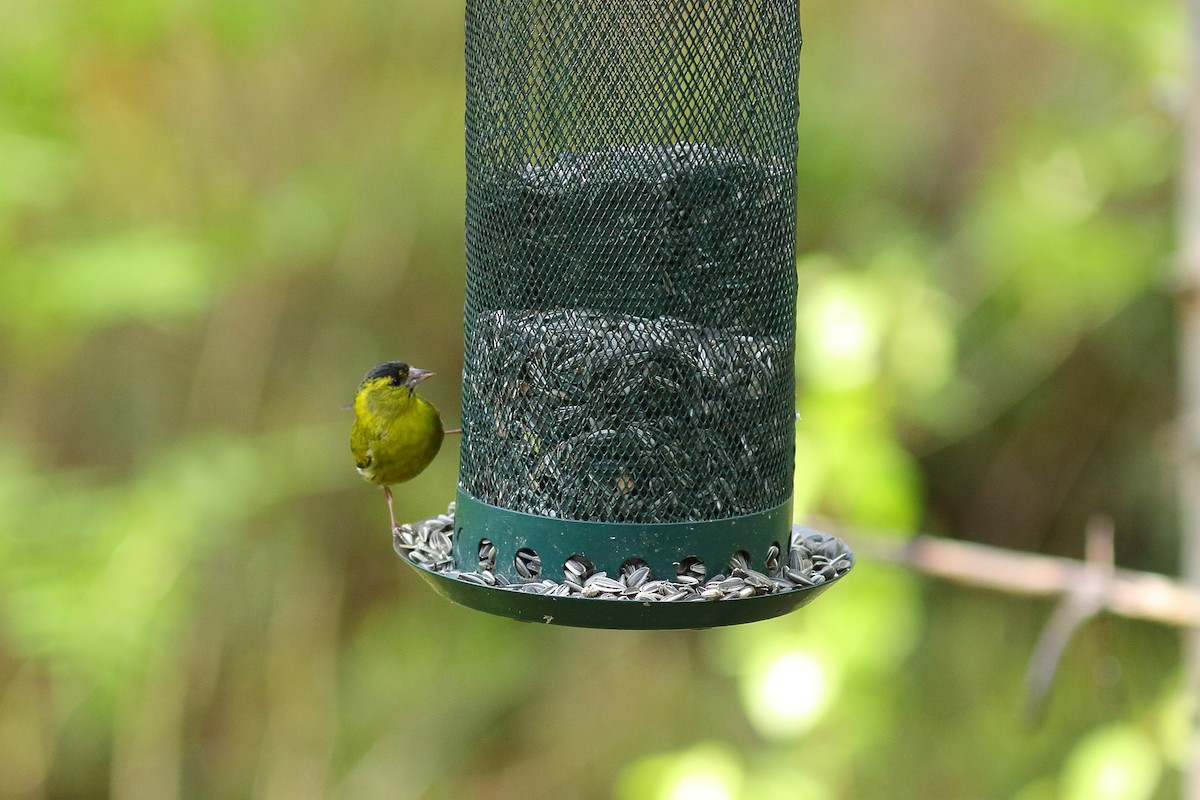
[(663, 546)]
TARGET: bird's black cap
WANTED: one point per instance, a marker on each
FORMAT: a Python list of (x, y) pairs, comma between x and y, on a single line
[(396, 370)]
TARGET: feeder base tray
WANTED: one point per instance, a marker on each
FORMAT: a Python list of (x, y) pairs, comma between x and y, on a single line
[(634, 599)]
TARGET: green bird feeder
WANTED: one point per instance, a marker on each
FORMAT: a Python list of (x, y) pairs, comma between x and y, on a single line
[(628, 382)]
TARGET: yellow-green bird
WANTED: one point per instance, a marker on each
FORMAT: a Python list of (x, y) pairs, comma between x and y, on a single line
[(396, 434)]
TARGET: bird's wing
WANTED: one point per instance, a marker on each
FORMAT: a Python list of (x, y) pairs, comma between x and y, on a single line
[(360, 447)]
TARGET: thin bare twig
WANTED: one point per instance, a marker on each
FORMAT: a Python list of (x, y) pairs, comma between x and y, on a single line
[(1133, 594), (1084, 600)]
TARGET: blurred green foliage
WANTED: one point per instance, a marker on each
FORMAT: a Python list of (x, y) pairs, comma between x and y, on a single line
[(215, 216)]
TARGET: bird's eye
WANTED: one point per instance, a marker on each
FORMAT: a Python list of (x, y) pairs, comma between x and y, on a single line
[(395, 380)]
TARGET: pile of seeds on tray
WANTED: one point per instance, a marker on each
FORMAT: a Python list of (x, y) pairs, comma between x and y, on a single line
[(584, 415), (812, 559)]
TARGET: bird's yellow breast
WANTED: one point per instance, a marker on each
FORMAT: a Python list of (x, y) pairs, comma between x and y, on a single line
[(395, 434)]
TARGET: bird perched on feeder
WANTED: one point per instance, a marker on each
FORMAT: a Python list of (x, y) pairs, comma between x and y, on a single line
[(396, 434)]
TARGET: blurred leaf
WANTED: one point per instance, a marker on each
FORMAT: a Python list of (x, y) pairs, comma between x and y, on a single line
[(780, 782), (1044, 789), (870, 480), (1148, 41), (708, 771), (34, 170), (138, 276), (1177, 712), (92, 575)]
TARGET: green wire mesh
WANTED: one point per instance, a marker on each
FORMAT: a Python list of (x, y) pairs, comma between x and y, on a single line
[(630, 304)]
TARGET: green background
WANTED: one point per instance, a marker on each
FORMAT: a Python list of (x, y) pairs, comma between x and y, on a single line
[(216, 216)]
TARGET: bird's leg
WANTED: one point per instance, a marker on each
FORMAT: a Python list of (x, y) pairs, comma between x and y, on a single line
[(387, 492), (450, 431)]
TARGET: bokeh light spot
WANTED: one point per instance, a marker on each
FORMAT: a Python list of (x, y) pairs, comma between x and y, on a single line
[(1117, 762), (839, 333), (787, 692)]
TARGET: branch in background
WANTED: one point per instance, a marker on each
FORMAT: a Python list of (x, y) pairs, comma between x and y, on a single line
[(1127, 593), (1081, 602), (1188, 270)]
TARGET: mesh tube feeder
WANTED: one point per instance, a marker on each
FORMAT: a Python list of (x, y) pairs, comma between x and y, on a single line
[(628, 382)]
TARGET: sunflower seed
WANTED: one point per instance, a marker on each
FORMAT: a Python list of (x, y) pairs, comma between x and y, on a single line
[(757, 580), (527, 563), (773, 558), (606, 584), (638, 577), (576, 567)]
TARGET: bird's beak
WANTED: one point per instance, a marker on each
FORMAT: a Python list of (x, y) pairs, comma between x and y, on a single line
[(415, 376)]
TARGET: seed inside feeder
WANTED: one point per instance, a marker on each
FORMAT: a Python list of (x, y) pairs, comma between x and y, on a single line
[(586, 415), (625, 362)]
